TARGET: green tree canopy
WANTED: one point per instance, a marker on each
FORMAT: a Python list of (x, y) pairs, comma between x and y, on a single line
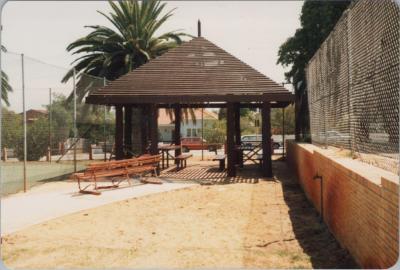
[(11, 129), (277, 120), (318, 18)]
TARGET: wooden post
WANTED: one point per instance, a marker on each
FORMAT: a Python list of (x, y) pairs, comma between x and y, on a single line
[(177, 131), (144, 131), (283, 132), (230, 140), (48, 157), (266, 139), (61, 148), (128, 131), (153, 129), (5, 158), (238, 140), (90, 151), (119, 133)]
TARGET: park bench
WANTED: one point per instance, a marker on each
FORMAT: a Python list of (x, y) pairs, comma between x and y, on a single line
[(124, 169), (182, 161), (221, 159)]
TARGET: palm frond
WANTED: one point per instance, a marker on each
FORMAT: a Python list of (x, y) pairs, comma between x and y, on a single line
[(5, 85), (131, 42)]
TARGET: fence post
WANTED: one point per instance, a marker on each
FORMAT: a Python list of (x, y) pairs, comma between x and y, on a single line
[(50, 116), (1, 106), (105, 124), (105, 133), (24, 121), (75, 129), (349, 80), (283, 132), (202, 134)]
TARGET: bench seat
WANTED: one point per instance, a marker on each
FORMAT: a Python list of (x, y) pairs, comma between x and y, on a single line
[(182, 161), (221, 159), (118, 168)]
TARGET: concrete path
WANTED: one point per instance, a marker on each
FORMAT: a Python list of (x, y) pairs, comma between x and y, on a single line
[(56, 199)]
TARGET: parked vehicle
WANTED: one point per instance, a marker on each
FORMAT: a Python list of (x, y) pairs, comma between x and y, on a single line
[(276, 145), (255, 140), (336, 135), (195, 143)]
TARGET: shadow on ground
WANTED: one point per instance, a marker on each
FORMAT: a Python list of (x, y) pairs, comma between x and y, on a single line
[(313, 235), (203, 173)]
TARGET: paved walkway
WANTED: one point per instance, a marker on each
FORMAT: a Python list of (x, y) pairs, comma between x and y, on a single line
[(57, 199)]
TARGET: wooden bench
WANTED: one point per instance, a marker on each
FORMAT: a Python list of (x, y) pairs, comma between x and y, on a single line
[(182, 161), (125, 169), (221, 159)]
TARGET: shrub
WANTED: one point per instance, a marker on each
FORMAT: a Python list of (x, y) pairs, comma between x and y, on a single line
[(37, 141)]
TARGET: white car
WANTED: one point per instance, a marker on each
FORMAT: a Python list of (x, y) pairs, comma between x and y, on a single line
[(255, 140), (336, 135)]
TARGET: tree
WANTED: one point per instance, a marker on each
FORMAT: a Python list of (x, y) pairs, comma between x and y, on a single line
[(222, 114), (277, 119), (90, 124), (318, 18), (132, 42), (244, 112), (37, 140), (111, 53), (5, 86), (11, 132), (61, 120), (216, 133)]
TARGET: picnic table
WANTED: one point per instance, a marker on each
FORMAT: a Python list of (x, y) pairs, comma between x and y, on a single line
[(165, 155), (249, 153)]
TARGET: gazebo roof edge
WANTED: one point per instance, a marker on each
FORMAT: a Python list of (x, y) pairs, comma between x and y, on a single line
[(197, 71)]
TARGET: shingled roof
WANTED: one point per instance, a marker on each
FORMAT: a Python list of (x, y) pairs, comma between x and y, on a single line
[(195, 72)]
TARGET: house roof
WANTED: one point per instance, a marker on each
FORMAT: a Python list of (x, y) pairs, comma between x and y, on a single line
[(165, 119), (197, 71), (44, 112)]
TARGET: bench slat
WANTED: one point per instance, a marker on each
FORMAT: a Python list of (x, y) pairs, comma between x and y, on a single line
[(184, 156)]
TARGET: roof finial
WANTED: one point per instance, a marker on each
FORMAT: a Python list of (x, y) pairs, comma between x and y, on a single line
[(198, 28)]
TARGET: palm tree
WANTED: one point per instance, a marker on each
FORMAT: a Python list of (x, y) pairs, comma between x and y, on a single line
[(131, 42), (112, 53), (5, 85)]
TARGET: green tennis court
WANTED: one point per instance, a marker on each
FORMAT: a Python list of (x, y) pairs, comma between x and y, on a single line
[(37, 173)]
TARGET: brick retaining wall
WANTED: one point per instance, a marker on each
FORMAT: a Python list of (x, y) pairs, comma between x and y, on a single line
[(360, 202)]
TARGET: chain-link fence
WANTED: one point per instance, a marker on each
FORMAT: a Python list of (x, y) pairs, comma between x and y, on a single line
[(47, 131), (353, 85)]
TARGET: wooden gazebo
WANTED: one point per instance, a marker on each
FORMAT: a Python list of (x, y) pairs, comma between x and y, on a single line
[(196, 74)]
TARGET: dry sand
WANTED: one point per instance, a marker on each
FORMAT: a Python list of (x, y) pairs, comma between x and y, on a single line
[(264, 225)]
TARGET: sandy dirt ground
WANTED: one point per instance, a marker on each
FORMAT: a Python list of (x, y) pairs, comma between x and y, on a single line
[(269, 224)]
